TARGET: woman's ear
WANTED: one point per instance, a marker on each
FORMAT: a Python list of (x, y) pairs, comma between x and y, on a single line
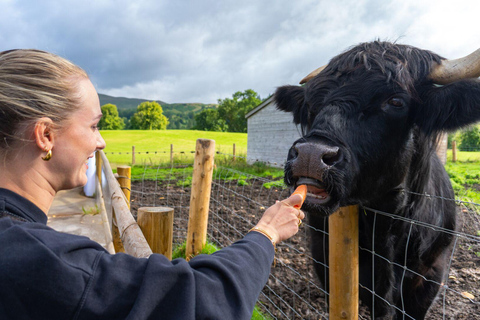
[(43, 133)]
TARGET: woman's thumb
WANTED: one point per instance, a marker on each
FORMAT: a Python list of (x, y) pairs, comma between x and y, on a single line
[(295, 200)]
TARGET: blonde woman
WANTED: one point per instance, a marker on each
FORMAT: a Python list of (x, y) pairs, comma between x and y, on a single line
[(49, 112)]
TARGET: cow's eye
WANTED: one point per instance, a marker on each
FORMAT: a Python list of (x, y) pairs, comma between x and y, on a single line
[(396, 102)]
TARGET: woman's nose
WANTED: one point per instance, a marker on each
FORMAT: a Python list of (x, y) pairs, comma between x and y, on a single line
[(100, 142)]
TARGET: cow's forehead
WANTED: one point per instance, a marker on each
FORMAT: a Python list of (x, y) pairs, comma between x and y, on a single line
[(355, 90), (401, 65)]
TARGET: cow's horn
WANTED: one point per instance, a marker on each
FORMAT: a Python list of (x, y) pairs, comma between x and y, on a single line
[(312, 74), (453, 70)]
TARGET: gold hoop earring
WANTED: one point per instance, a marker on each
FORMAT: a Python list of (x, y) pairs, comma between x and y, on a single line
[(48, 156)]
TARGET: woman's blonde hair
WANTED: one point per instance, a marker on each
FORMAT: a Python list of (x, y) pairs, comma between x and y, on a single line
[(34, 84)]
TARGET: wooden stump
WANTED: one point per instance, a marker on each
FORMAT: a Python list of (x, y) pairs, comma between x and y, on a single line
[(156, 224)]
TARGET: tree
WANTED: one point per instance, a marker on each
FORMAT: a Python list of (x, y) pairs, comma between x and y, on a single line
[(149, 116), (208, 120), (470, 139), (110, 119), (233, 111)]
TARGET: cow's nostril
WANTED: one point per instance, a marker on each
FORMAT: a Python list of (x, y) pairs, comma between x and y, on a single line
[(293, 152), (332, 157)]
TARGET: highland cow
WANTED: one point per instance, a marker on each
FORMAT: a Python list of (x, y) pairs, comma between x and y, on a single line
[(370, 121)]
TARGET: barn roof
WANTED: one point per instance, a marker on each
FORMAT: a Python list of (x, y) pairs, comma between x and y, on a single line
[(259, 107)]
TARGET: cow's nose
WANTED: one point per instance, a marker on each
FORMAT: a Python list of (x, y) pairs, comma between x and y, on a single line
[(317, 155)]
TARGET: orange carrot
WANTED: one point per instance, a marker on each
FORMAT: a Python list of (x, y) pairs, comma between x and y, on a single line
[(301, 190)]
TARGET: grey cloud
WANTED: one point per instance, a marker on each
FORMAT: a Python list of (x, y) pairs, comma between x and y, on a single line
[(201, 51)]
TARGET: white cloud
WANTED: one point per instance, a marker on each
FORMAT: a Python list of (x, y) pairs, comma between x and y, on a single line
[(201, 51)]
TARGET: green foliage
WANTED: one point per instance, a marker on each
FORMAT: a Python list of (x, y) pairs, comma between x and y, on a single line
[(110, 119), (209, 120), (257, 315), (453, 136), (90, 211), (470, 139), (275, 184), (179, 120), (149, 116), (180, 115), (232, 111), (230, 114), (242, 182), (179, 251)]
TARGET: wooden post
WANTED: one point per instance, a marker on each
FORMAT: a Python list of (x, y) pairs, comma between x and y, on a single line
[(171, 156), (454, 151), (156, 224), (234, 152), (116, 238), (200, 196), (125, 180), (133, 155), (343, 263)]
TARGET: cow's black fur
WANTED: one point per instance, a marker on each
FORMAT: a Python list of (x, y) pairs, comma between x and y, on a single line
[(370, 122)]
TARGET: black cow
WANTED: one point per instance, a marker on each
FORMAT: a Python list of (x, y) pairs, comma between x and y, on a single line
[(370, 122)]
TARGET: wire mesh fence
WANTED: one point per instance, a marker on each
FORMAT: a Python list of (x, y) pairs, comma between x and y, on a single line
[(293, 290)]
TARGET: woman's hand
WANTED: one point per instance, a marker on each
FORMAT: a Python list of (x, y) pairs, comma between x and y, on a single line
[(281, 221)]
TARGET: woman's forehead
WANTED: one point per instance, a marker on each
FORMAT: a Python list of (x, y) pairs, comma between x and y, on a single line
[(89, 103)]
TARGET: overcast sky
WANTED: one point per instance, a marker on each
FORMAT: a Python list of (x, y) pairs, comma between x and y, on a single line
[(202, 51)]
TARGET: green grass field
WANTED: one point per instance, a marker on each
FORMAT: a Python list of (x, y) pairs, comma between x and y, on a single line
[(119, 142), (464, 156)]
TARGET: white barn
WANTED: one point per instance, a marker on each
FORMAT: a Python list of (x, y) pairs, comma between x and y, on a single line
[(271, 133)]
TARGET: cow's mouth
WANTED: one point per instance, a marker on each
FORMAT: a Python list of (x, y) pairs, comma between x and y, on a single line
[(316, 191)]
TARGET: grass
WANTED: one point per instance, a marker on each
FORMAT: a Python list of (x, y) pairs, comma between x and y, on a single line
[(182, 176), (120, 142), (464, 156), (464, 177)]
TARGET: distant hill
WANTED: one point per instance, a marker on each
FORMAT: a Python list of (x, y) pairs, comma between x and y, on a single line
[(180, 115)]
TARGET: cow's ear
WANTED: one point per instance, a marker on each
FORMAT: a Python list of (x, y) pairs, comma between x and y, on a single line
[(450, 107), (291, 99)]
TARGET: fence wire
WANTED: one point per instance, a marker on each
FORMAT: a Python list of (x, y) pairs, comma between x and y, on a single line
[(293, 291)]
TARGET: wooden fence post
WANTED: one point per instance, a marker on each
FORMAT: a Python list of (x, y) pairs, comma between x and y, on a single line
[(133, 155), (343, 263), (156, 224), (200, 196), (171, 156), (125, 180), (454, 151), (234, 152)]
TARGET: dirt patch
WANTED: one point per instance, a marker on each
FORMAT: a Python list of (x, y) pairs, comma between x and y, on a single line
[(293, 291)]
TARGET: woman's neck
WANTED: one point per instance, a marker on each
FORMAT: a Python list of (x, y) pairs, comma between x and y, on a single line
[(27, 182)]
